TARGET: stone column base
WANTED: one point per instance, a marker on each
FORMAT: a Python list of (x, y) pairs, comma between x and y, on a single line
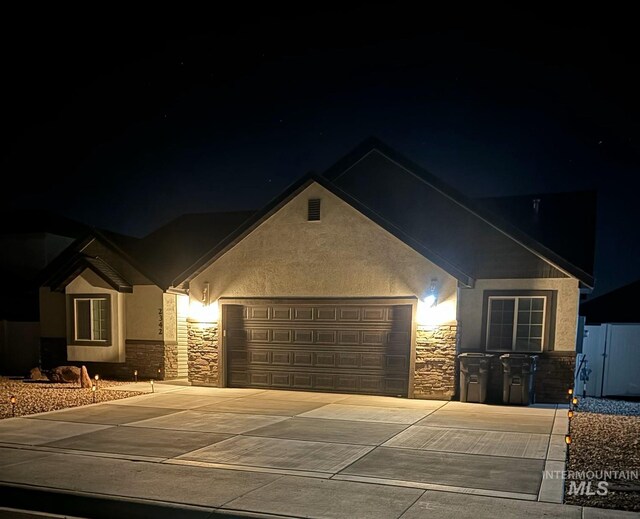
[(435, 369)]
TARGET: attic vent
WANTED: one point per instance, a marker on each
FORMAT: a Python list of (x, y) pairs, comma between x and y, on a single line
[(313, 214)]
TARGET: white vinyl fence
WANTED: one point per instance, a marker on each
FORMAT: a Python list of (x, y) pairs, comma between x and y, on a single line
[(611, 360)]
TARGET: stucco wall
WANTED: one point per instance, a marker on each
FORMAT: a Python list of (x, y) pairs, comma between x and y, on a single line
[(568, 296), (344, 255), (145, 314), (90, 283)]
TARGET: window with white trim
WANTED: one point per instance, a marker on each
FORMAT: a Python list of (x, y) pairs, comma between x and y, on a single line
[(516, 323), (91, 319)]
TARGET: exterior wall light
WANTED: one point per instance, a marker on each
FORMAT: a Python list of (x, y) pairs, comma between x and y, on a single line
[(205, 294), (431, 298)]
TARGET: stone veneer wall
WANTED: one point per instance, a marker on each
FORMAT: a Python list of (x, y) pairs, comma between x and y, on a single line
[(203, 353), (435, 370), (554, 375), (146, 356), (170, 360)]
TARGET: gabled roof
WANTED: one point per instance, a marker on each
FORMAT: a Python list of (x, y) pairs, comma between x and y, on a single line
[(469, 236), (79, 264), (174, 247), (95, 252), (466, 238), (618, 306), (293, 190), (156, 259)]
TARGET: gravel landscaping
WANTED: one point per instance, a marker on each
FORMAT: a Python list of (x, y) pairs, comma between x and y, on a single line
[(609, 406), (39, 397), (606, 437)]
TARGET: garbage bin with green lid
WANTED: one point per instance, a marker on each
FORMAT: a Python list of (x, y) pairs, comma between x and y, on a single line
[(474, 376), (518, 377)]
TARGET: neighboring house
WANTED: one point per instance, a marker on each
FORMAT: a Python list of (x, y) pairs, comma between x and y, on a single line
[(29, 241), (369, 278), (611, 347)]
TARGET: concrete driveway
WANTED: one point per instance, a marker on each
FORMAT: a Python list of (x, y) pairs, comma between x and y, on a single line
[(294, 454)]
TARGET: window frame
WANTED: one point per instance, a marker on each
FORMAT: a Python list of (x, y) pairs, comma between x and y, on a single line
[(72, 329), (548, 321)]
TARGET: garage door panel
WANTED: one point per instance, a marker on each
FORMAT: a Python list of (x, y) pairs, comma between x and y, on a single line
[(238, 357), (348, 337), (324, 382), (303, 336), (396, 386), (326, 314), (374, 313), (281, 313), (398, 338), (372, 385), (259, 378), (373, 338), (282, 335), (347, 383), (259, 312), (259, 357), (258, 335), (396, 362), (302, 358), (325, 336), (348, 360), (281, 380), (303, 314), (399, 314), (325, 347), (302, 381), (324, 360), (349, 313), (238, 378), (281, 358)]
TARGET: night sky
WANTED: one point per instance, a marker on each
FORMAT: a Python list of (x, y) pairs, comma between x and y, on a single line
[(126, 120)]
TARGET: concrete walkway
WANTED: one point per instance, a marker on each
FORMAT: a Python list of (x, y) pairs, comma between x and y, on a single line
[(275, 453)]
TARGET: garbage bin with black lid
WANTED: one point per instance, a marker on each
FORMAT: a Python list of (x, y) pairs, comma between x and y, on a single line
[(518, 377), (474, 376)]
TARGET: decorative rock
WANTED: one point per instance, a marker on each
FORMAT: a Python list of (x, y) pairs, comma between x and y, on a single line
[(36, 374), (85, 379), (65, 374)]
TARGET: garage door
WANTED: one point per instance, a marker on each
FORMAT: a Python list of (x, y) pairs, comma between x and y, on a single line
[(305, 345)]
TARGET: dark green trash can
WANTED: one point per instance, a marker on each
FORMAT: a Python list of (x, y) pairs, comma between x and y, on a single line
[(474, 376), (518, 378)]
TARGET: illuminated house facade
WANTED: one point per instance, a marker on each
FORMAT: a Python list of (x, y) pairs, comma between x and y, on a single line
[(369, 278)]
